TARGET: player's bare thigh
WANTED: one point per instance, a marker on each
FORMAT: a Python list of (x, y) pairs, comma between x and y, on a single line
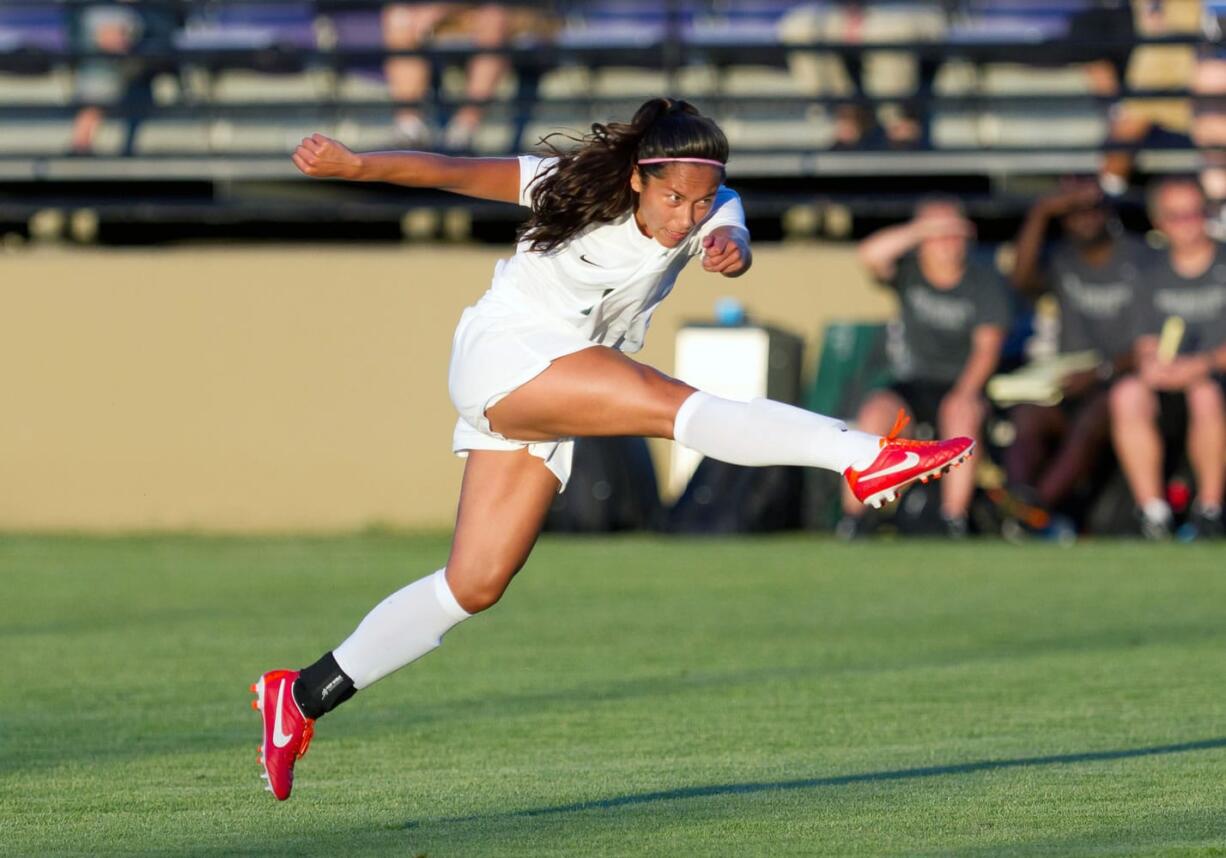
[(596, 391), (504, 498)]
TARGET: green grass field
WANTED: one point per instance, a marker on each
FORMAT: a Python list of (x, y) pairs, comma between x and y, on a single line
[(630, 696)]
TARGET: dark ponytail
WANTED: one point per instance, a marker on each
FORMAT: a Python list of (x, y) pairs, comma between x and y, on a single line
[(592, 183)]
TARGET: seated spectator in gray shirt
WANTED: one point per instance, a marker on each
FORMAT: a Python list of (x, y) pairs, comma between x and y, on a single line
[(1187, 283), (953, 314), (1093, 272)]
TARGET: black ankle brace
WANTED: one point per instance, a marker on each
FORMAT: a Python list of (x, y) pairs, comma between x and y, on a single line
[(322, 687)]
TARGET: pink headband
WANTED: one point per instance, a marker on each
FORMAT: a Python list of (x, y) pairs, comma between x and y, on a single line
[(713, 163)]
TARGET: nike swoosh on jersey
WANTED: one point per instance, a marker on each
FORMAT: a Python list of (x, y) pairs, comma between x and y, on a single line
[(590, 262), (909, 461), (280, 739)]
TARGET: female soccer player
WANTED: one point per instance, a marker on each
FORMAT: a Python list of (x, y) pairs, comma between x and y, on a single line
[(541, 359)]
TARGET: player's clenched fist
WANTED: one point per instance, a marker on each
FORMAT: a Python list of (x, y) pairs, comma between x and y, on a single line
[(724, 253), (324, 158)]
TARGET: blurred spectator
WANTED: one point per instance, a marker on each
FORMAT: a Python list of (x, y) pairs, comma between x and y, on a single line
[(125, 81), (1093, 272), (901, 125), (1139, 121), (1109, 24), (954, 314), (1209, 115), (410, 26), (1188, 283)]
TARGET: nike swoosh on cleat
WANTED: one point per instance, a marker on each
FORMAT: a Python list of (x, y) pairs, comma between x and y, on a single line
[(279, 739), (910, 461)]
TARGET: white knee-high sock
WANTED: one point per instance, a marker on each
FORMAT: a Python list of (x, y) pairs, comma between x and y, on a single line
[(765, 432), (401, 629)]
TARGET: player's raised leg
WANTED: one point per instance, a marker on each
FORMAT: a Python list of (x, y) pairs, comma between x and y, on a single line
[(503, 501), (600, 391)]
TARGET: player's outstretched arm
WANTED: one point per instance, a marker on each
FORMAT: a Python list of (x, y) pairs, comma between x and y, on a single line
[(485, 178), (726, 251)]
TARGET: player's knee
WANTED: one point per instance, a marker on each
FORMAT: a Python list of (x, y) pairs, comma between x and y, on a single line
[(663, 396), (661, 386), (478, 596), (479, 589)]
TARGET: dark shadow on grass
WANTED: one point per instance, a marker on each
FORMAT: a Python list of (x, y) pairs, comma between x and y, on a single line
[(731, 789)]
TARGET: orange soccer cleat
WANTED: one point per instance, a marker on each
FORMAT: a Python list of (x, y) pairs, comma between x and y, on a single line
[(902, 462), (287, 732)]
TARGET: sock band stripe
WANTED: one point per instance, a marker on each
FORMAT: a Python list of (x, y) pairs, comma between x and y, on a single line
[(681, 423), (446, 599)]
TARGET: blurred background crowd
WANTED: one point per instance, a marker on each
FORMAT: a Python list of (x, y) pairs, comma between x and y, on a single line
[(1040, 182), (896, 75)]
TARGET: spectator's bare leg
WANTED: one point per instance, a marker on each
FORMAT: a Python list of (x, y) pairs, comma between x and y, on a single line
[(904, 129), (1207, 440), (1102, 78), (851, 123), (1138, 444), (1035, 426), (84, 126), (1076, 457), (959, 417), (1127, 130), (1209, 128), (491, 28), (876, 416), (406, 27)]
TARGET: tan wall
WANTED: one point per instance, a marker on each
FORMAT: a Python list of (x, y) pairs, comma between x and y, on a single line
[(293, 388)]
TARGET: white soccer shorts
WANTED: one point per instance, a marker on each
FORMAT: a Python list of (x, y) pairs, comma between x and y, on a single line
[(496, 349)]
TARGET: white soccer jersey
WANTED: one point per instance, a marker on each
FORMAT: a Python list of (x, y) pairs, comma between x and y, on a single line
[(607, 280)]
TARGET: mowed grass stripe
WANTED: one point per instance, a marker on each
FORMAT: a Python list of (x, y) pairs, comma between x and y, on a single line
[(629, 696)]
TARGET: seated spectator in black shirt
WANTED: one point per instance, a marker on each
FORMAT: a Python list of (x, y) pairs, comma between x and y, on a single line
[(954, 312), (1093, 272), (1187, 283)]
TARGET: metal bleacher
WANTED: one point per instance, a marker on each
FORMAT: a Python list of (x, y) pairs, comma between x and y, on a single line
[(238, 83)]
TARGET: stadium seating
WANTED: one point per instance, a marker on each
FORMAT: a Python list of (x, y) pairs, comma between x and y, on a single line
[(241, 82)]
